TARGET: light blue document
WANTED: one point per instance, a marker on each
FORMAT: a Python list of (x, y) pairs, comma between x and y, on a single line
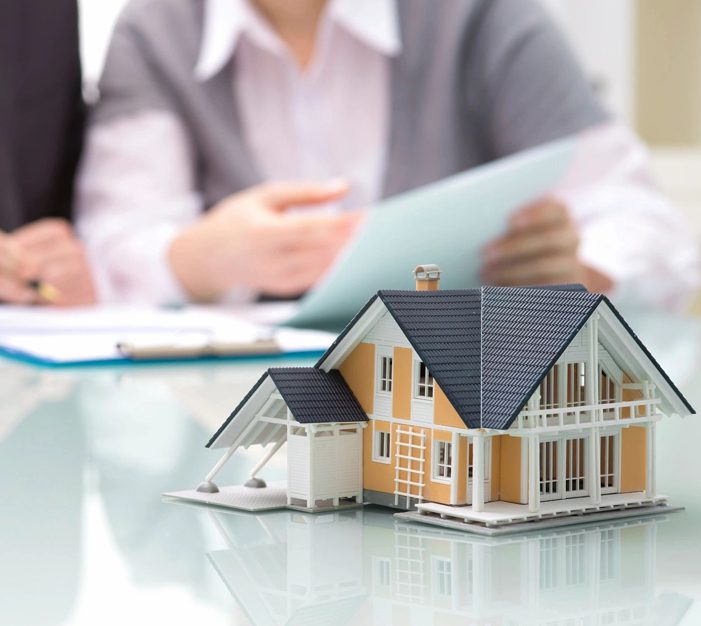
[(446, 222)]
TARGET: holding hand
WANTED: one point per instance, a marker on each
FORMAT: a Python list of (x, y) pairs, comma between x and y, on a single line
[(540, 247), (46, 251), (250, 239)]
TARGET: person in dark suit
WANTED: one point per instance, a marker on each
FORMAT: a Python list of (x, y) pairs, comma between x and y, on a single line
[(41, 131)]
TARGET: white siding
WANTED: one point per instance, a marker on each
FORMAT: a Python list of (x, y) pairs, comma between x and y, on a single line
[(386, 331), (297, 466)]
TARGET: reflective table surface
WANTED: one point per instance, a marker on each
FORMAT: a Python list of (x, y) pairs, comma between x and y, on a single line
[(86, 538)]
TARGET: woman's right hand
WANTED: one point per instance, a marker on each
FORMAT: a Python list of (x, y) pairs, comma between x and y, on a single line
[(250, 239)]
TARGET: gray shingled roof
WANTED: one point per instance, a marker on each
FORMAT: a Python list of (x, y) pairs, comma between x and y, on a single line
[(489, 348), (315, 396)]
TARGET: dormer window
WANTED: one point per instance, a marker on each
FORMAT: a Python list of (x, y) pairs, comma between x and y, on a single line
[(423, 384)]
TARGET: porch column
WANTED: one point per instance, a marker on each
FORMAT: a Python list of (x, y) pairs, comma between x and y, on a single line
[(311, 435), (454, 471), (650, 480), (534, 473), (595, 466), (478, 472)]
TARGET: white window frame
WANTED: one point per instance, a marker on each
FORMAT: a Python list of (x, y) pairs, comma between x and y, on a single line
[(560, 443), (575, 381), (616, 462), (417, 385), (383, 357), (377, 445), (437, 465)]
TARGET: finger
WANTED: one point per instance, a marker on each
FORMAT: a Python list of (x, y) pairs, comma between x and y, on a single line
[(531, 243), (543, 214), (14, 292), (310, 230), (548, 269), (15, 263), (43, 232), (281, 195)]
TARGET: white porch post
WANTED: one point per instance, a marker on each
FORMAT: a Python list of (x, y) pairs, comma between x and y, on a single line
[(534, 473), (592, 375), (650, 481), (595, 466), (478, 472), (455, 447), (311, 435)]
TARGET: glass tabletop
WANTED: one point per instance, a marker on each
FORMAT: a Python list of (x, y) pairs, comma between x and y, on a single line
[(87, 538)]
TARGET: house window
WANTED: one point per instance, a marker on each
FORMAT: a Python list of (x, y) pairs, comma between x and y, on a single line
[(548, 390), (549, 487), (609, 458), (442, 460), (385, 371), (576, 384), (382, 446), (575, 474), (423, 387)]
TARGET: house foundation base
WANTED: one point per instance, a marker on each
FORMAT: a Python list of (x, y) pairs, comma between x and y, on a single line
[(270, 498), (521, 525)]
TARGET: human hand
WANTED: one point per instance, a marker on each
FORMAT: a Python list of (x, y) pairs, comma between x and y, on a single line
[(16, 270), (50, 252), (250, 239), (540, 247)]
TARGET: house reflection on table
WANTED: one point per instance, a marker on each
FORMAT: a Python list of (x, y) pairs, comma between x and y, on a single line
[(363, 567)]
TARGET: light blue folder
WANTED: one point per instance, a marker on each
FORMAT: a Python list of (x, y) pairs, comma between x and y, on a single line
[(446, 223)]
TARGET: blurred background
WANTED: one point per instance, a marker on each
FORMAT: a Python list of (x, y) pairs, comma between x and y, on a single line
[(644, 59)]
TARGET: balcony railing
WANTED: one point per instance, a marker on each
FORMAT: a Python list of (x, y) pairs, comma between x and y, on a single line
[(607, 413)]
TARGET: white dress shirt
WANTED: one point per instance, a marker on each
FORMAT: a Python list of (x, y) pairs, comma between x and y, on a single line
[(137, 186)]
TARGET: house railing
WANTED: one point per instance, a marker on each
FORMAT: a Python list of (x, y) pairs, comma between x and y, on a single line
[(600, 414)]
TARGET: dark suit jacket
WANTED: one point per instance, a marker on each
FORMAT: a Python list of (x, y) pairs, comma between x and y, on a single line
[(41, 109)]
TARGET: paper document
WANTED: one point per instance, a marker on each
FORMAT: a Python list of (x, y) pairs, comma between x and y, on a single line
[(92, 335), (445, 223)]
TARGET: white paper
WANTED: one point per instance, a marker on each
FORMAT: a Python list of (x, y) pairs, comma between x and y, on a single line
[(67, 336)]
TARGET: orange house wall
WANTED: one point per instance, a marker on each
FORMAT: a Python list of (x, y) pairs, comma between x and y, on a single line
[(633, 461), (358, 370), (401, 383), (633, 449), (509, 468)]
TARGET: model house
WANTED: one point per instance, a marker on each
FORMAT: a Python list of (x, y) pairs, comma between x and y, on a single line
[(481, 408)]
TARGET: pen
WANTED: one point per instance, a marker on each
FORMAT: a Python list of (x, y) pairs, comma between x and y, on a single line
[(45, 291)]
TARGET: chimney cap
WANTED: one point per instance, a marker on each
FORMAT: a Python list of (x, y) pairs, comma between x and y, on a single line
[(427, 271)]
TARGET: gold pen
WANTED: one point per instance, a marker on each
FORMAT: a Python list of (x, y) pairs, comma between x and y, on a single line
[(45, 291)]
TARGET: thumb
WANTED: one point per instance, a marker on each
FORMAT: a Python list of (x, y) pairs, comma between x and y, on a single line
[(281, 195)]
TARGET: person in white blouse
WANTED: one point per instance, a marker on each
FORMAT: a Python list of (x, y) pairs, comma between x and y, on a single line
[(217, 117)]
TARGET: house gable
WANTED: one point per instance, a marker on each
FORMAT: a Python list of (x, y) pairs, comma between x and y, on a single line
[(488, 349)]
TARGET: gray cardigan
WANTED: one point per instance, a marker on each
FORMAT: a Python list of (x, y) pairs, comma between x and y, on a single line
[(476, 80)]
